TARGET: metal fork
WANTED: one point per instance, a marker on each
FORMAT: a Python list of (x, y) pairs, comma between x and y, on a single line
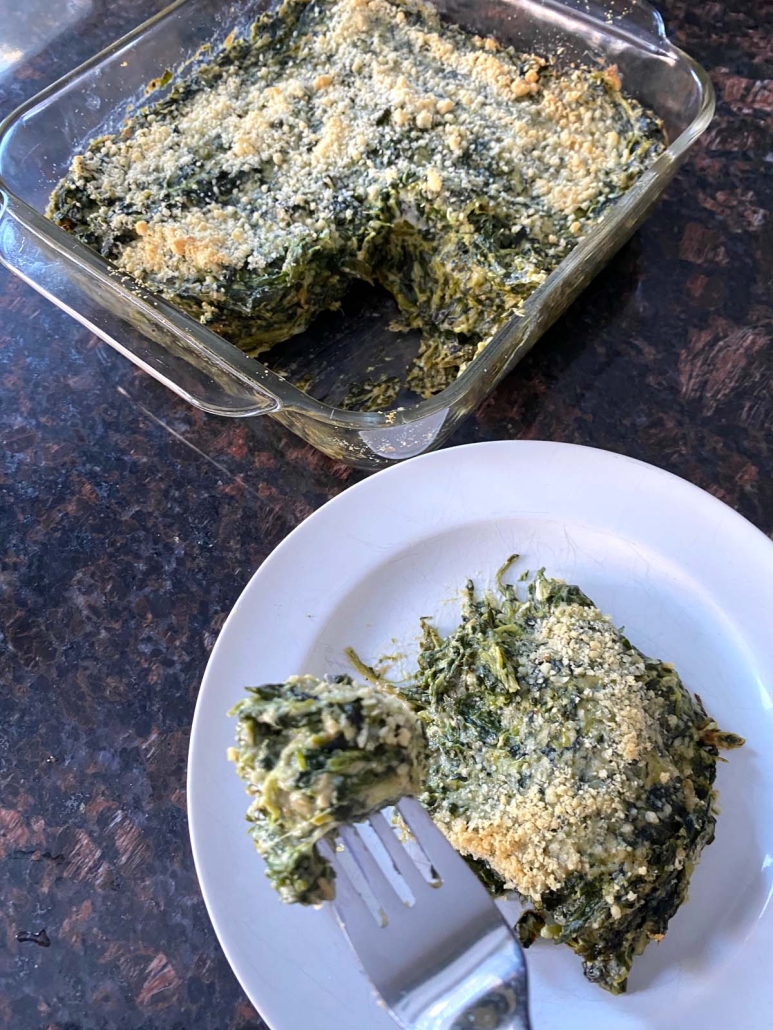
[(448, 961)]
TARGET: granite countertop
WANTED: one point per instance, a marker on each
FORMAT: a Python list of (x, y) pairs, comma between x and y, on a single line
[(131, 522)]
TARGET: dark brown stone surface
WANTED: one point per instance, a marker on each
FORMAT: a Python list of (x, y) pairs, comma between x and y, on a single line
[(129, 523)]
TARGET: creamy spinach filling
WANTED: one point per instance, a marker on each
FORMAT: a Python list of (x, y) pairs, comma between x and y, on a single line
[(360, 139), (315, 755)]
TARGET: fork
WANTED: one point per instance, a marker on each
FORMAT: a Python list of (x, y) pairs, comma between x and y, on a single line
[(433, 943)]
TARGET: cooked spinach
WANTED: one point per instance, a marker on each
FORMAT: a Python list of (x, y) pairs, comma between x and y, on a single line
[(360, 139), (315, 755), (568, 767)]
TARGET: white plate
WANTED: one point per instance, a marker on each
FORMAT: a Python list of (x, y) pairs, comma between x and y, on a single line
[(691, 581)]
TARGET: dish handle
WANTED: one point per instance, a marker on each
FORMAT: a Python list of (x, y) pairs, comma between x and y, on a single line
[(199, 366)]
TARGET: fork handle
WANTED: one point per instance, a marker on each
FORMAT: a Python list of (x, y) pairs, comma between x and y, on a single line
[(501, 1009), (492, 997)]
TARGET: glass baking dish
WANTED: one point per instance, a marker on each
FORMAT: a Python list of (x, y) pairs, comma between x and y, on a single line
[(38, 141)]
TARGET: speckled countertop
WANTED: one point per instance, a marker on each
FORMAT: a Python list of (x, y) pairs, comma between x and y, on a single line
[(130, 523)]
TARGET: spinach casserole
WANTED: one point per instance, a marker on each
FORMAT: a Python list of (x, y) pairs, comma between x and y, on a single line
[(315, 755), (567, 767), (561, 762), (360, 139)]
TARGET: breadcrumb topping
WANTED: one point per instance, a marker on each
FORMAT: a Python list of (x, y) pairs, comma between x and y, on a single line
[(566, 820)]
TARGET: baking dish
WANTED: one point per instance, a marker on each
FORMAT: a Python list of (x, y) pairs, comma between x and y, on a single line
[(38, 141)]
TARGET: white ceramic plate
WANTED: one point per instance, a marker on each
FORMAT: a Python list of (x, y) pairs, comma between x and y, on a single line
[(691, 581)]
